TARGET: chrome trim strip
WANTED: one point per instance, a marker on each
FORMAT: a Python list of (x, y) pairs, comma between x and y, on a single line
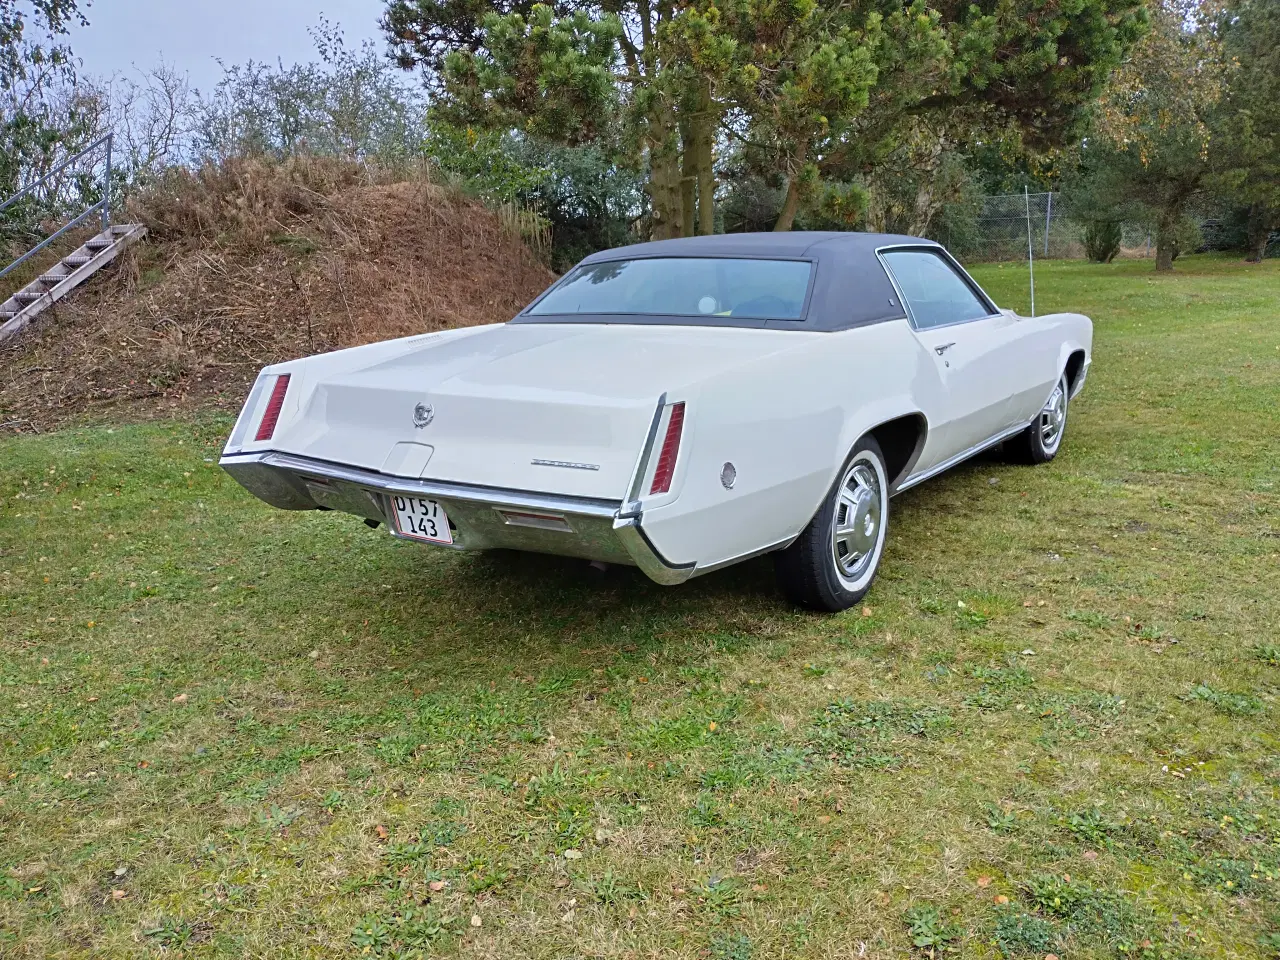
[(646, 555), (568, 465), (584, 506), (960, 457), (720, 565), (632, 505), (246, 413)]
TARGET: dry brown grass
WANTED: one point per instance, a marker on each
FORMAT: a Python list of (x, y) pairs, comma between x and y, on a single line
[(253, 263)]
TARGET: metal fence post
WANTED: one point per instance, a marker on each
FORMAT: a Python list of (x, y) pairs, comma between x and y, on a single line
[(106, 187), (1048, 219)]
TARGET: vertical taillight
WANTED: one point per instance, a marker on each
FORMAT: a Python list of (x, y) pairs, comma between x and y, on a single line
[(666, 468), (272, 414)]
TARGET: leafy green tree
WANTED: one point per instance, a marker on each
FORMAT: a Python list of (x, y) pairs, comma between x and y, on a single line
[(44, 116), (1152, 154), (350, 103), (589, 202), (1249, 126), (811, 91), (20, 56)]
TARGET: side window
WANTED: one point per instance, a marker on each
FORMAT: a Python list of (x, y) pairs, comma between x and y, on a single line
[(936, 294)]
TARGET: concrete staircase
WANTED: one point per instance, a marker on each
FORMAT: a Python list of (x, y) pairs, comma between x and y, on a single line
[(67, 274)]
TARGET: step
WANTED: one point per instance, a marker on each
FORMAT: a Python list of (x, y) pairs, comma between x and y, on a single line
[(72, 270)]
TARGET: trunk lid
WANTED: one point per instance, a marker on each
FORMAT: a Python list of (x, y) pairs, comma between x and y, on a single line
[(499, 398)]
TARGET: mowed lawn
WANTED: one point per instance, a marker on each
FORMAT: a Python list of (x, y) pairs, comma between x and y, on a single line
[(1053, 729)]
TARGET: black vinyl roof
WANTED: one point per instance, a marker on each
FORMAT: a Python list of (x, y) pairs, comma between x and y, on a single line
[(850, 286), (800, 244)]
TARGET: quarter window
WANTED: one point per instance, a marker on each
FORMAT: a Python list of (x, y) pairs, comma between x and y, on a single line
[(936, 294)]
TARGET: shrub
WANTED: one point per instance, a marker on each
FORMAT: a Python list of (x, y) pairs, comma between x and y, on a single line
[(1102, 240)]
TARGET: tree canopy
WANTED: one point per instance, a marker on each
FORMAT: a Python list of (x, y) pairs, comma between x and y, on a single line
[(39, 114), (1249, 123), (800, 90)]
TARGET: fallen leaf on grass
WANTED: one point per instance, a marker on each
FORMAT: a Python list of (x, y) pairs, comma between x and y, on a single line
[(381, 832), (435, 886), (984, 881), (1001, 900), (180, 698), (118, 894)]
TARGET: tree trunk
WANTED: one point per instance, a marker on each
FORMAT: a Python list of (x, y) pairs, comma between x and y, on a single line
[(925, 209), (688, 176), (665, 178), (1259, 231), (704, 135), (789, 206), (664, 191), (1166, 237)]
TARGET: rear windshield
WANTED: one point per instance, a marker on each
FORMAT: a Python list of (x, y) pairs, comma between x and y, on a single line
[(683, 286)]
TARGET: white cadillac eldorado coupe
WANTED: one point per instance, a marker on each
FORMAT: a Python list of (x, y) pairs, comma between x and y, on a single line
[(678, 406)]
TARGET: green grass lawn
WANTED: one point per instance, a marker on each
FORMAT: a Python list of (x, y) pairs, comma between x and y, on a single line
[(230, 731)]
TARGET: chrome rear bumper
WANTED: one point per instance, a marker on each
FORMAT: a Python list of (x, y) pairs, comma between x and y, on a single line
[(594, 529)]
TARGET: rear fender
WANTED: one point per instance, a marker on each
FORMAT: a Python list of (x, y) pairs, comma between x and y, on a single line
[(871, 417), (1077, 369)]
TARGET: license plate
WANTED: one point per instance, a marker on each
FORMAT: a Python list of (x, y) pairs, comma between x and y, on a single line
[(421, 519)]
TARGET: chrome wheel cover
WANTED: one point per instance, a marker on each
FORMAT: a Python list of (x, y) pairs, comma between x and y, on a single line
[(856, 528), (1053, 419)]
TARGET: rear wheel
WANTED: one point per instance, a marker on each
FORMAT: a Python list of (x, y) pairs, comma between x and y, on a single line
[(833, 561), (1040, 442)]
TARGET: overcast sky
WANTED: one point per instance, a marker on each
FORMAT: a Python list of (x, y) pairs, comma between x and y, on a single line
[(192, 34)]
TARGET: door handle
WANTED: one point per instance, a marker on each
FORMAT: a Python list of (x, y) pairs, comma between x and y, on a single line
[(943, 348)]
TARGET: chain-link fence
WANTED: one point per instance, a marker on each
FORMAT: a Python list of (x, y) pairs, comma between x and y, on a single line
[(1008, 226)]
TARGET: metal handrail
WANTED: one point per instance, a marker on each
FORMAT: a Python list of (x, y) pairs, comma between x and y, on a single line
[(103, 206)]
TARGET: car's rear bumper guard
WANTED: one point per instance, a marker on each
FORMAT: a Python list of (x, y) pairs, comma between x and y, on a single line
[(594, 529)]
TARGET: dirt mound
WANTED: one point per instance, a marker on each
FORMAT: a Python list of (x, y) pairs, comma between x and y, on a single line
[(253, 263)]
